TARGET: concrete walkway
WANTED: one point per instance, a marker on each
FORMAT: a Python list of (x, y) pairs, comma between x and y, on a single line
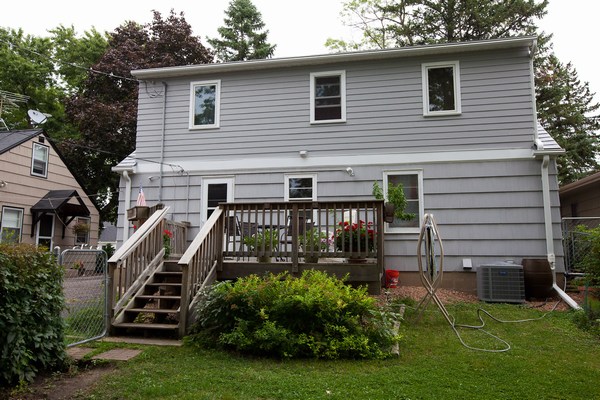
[(120, 354)]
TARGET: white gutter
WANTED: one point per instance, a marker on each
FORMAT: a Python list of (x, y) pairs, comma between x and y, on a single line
[(127, 204), (549, 235)]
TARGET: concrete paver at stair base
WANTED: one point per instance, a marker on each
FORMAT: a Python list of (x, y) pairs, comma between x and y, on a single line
[(117, 354)]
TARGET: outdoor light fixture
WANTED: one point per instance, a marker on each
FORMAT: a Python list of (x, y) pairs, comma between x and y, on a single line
[(350, 171), (303, 153), (3, 184)]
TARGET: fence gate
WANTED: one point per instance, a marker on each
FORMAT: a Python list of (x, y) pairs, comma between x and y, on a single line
[(85, 289)]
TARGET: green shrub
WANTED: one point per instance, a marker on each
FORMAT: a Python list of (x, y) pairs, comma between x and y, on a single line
[(31, 299), (590, 260), (315, 316)]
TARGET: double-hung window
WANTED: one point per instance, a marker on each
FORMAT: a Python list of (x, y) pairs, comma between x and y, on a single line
[(441, 88), (300, 187), (412, 183), (205, 104), (82, 232), (328, 97), (39, 160), (12, 225)]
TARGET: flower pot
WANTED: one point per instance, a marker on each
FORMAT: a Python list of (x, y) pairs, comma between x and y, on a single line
[(357, 260), (264, 259), (388, 212)]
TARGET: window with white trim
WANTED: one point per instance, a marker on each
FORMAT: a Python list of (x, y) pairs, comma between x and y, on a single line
[(11, 225), (441, 88), (412, 183), (205, 104), (39, 160), (82, 230), (328, 97), (300, 187)]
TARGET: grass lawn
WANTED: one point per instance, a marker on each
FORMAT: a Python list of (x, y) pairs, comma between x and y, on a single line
[(549, 359)]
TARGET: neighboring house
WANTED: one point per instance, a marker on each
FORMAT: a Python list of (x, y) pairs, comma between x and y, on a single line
[(40, 199), (581, 198), (455, 123), (108, 235)]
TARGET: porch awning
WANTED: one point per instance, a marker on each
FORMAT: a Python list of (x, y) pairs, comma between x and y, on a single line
[(59, 202)]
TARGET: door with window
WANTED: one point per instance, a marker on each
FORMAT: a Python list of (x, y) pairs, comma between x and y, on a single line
[(215, 191), (45, 230)]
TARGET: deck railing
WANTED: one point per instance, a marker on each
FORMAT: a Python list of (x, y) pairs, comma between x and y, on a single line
[(304, 231), (199, 265), (135, 259), (178, 232)]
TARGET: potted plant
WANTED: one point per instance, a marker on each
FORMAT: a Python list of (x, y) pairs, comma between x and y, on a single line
[(395, 202), (313, 242), (359, 238), (263, 243), (79, 266)]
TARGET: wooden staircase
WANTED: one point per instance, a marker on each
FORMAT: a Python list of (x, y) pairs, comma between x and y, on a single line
[(155, 309)]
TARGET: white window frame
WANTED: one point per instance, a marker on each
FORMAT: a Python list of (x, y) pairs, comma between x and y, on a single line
[(425, 77), (217, 84), (419, 173), (85, 220), (313, 76), (229, 180), (286, 194), (33, 148), (20, 221)]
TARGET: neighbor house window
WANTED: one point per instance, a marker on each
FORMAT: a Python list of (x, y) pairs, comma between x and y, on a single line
[(205, 104), (441, 88), (328, 97), (301, 187), (82, 230), (412, 184), (12, 225), (39, 160)]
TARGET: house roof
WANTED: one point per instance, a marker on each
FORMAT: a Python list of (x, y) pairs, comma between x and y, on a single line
[(11, 139), (430, 49), (581, 184)]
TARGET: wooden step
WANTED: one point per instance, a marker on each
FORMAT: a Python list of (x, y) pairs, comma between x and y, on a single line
[(171, 284), (135, 325), (153, 310), (157, 297)]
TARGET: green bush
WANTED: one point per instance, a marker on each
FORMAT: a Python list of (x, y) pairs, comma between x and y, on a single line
[(31, 299), (315, 316), (590, 260)]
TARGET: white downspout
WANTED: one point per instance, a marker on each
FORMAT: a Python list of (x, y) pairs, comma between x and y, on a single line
[(549, 235), (127, 204)]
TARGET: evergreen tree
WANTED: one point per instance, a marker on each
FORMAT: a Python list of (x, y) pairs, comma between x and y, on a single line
[(241, 37), (565, 104)]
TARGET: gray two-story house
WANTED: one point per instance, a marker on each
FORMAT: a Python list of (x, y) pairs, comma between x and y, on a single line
[(454, 123)]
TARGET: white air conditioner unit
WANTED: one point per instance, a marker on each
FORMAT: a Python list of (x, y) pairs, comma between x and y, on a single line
[(501, 282)]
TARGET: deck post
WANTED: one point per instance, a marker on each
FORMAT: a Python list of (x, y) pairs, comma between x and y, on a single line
[(295, 233)]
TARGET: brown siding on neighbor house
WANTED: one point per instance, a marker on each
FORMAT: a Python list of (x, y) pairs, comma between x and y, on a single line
[(581, 198), (23, 190)]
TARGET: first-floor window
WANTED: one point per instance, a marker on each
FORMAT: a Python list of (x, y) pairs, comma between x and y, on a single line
[(12, 225), (81, 230), (411, 182), (301, 187)]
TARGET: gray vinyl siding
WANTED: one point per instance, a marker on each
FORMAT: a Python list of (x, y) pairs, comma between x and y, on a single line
[(266, 113), (487, 211)]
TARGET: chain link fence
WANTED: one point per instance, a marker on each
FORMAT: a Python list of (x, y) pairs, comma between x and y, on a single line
[(574, 243), (85, 290)]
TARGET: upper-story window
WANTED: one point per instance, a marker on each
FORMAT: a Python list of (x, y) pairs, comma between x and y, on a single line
[(39, 160), (441, 88), (11, 225), (328, 97), (300, 187), (205, 104)]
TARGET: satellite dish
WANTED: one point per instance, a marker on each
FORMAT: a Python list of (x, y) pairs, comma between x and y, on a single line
[(37, 117)]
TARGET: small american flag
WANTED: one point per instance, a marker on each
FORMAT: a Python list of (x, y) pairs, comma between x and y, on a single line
[(141, 200)]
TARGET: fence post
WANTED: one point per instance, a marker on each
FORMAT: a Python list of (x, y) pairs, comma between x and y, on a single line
[(295, 233)]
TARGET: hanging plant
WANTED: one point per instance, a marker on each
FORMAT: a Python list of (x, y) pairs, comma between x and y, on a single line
[(395, 201)]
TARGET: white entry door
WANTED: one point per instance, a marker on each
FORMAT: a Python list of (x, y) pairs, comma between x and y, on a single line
[(215, 191)]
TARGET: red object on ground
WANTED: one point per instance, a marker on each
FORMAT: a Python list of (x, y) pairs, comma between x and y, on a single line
[(391, 278)]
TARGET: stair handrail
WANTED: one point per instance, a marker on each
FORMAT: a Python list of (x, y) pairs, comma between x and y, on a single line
[(199, 265), (142, 251)]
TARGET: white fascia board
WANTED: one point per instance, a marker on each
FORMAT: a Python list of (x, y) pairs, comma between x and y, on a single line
[(314, 163), (324, 59)]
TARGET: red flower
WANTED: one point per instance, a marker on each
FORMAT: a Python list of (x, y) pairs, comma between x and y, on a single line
[(168, 233)]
